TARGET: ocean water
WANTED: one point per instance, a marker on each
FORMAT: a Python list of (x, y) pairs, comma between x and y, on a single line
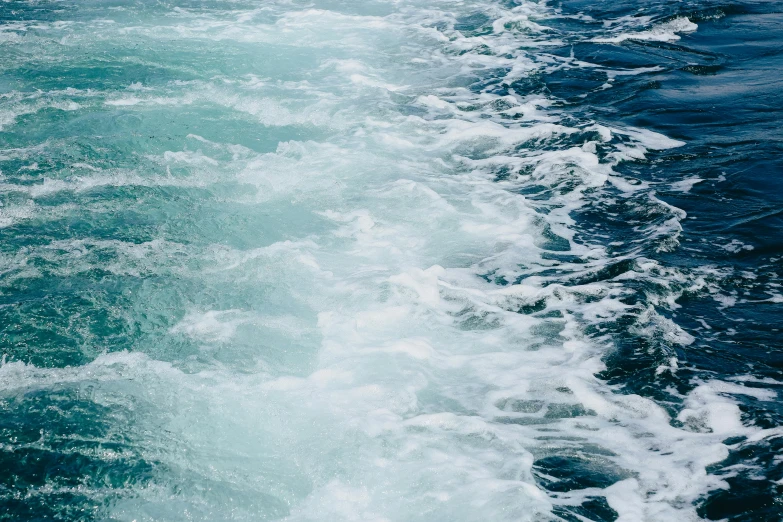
[(341, 260)]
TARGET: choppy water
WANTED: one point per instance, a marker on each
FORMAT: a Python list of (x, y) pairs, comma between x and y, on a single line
[(391, 261)]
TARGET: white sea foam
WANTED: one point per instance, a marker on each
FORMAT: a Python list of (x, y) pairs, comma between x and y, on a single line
[(685, 185), (665, 32), (400, 344)]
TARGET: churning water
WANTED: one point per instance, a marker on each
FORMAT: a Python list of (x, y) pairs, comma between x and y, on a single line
[(343, 260)]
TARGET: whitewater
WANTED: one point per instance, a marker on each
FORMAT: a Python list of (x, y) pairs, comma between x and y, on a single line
[(305, 261)]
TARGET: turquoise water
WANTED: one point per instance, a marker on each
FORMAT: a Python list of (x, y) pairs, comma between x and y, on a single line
[(323, 260)]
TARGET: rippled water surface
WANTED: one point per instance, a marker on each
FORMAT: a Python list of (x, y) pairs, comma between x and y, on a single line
[(410, 260)]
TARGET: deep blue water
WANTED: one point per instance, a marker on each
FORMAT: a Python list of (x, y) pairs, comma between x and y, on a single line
[(719, 92), (391, 260)]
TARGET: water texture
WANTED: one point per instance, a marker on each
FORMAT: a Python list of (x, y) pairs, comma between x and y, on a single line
[(451, 260)]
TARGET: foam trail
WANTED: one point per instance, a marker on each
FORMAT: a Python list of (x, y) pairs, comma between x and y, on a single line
[(346, 282)]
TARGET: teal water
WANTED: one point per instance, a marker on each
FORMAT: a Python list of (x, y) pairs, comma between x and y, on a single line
[(325, 261)]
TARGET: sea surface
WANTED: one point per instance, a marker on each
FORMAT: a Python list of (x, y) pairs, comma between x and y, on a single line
[(391, 261)]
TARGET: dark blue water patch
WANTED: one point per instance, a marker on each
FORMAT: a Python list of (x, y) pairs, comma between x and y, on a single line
[(754, 493), (563, 473), (718, 91), (63, 454), (566, 472)]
